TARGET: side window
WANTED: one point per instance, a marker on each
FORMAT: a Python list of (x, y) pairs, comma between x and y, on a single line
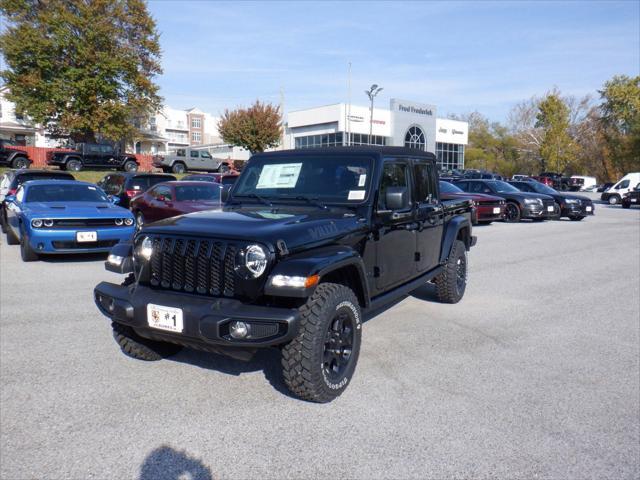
[(205, 155), (181, 152), (426, 190), (163, 193), (104, 182), (194, 153), (477, 187), (622, 184), (20, 194), (94, 148), (394, 174), (115, 185), (107, 149)]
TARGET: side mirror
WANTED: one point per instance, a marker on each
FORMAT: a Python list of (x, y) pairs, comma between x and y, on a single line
[(10, 198), (396, 198)]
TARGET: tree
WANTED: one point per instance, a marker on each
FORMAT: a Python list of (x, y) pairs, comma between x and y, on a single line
[(620, 119), (79, 67), (255, 128), (557, 147)]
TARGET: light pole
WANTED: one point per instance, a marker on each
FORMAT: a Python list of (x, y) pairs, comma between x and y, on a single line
[(371, 93)]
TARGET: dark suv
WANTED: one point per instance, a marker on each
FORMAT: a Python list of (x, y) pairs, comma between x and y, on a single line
[(94, 155), (13, 157), (535, 206), (308, 241), (125, 186), (11, 180)]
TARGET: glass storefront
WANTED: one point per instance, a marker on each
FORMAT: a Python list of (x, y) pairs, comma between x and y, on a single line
[(336, 140), (450, 156)]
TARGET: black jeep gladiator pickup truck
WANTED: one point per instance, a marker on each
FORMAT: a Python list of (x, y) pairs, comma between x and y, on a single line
[(307, 241), (94, 155)]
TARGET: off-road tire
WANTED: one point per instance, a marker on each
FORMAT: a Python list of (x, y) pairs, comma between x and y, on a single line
[(11, 238), (303, 357), (73, 165), (20, 162), (179, 167), (130, 166), (26, 252), (448, 288), (141, 348)]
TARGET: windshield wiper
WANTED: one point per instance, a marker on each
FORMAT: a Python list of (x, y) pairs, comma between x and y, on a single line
[(312, 201), (257, 197)]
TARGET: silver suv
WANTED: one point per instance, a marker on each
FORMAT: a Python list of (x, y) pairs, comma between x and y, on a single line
[(185, 159)]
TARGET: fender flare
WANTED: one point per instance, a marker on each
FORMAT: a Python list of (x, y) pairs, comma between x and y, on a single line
[(320, 261), (18, 153), (66, 158), (453, 228)]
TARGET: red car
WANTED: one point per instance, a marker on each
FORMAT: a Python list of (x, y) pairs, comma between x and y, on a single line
[(487, 207), (170, 199)]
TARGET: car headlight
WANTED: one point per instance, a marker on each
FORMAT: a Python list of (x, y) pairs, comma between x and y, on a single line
[(37, 223), (571, 201), (128, 222), (146, 248), (48, 223), (533, 201), (118, 221), (255, 260)]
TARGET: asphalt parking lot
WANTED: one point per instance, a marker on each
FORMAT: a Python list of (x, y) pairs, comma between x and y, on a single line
[(535, 374)]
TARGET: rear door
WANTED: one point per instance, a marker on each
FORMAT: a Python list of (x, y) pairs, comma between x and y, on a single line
[(193, 161), (92, 155), (207, 162), (429, 216)]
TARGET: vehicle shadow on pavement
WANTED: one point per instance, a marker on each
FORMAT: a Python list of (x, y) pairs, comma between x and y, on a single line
[(166, 463), (426, 292)]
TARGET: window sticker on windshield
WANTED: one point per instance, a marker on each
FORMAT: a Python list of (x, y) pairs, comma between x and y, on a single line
[(356, 195), (363, 179), (283, 175)]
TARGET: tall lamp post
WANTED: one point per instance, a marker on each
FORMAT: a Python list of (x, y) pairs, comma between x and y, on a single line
[(371, 93)]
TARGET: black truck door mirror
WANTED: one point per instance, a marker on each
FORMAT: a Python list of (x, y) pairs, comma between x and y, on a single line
[(396, 198)]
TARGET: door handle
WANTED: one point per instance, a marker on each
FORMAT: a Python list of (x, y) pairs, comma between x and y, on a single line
[(399, 216)]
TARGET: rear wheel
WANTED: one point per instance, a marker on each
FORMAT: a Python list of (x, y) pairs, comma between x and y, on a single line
[(141, 348), (452, 282), (73, 165), (26, 252), (319, 362), (20, 162), (178, 167), (512, 213), (130, 166)]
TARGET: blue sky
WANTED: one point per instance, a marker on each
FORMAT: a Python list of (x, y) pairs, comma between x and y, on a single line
[(461, 56)]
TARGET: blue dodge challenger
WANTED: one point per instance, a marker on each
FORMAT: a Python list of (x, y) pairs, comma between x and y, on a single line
[(64, 216)]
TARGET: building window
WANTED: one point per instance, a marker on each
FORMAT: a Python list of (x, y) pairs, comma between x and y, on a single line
[(195, 122), (315, 141), (450, 156), (363, 139), (195, 136), (415, 138)]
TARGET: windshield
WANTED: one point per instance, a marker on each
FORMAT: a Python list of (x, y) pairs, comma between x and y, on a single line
[(446, 187), (326, 178), (503, 187), (194, 193), (65, 193), (542, 188)]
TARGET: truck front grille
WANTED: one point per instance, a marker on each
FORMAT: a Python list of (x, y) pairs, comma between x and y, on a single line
[(202, 266)]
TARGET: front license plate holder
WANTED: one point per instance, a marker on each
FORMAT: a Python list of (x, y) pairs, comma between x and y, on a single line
[(165, 318), (86, 237)]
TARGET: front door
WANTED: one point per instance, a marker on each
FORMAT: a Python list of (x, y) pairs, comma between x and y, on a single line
[(193, 162), (395, 232), (429, 216)]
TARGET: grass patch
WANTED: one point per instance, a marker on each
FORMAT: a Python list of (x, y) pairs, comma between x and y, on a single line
[(92, 176)]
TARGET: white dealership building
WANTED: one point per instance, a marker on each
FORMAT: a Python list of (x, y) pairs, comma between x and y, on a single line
[(405, 123)]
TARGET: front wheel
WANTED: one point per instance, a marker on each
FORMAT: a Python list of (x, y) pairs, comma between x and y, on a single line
[(178, 168), (452, 282), (20, 162), (319, 362), (130, 166), (73, 165), (512, 213), (26, 252), (614, 200), (141, 348)]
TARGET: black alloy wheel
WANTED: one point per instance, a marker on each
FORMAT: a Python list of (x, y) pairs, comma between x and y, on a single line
[(74, 165), (20, 162), (511, 213), (461, 274), (130, 166), (338, 345)]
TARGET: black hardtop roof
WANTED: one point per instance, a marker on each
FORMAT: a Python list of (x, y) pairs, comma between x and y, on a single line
[(30, 171), (342, 151)]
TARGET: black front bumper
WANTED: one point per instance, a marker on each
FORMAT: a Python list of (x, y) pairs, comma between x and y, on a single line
[(206, 319)]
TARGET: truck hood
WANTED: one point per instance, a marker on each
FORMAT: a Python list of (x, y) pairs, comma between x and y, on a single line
[(76, 210), (296, 226)]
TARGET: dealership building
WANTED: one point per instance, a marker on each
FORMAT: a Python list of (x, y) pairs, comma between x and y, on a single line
[(404, 124)]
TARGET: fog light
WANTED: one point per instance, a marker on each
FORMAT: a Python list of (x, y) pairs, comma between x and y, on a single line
[(238, 330), (40, 246), (115, 259), (111, 305)]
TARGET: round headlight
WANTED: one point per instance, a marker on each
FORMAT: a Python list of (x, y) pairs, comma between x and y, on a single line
[(128, 222), (118, 221), (255, 259), (48, 223), (146, 248), (36, 223)]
